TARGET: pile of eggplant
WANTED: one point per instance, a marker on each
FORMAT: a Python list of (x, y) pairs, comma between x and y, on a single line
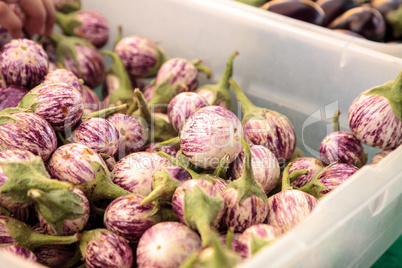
[(159, 171), (375, 20)]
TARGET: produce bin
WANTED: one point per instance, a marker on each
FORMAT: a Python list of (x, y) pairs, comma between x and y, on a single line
[(304, 74)]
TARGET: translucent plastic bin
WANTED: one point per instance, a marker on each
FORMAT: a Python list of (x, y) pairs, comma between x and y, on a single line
[(304, 75)]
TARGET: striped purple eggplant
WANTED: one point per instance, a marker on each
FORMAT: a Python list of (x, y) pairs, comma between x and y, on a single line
[(335, 175), (110, 161), (59, 256), (15, 232), (141, 57), (209, 134), (90, 100), (380, 155), (61, 75), (255, 238), (133, 133), (182, 106), (266, 127), (375, 116), (20, 252), (167, 245), (87, 24), (98, 134), (170, 150), (27, 131), (80, 57), (11, 95), (58, 103), (266, 169), (148, 92), (126, 217), (67, 6), (311, 164), (23, 63), (26, 214), (102, 248), (135, 171)]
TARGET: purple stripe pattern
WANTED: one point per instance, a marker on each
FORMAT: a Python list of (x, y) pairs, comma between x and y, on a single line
[(167, 245), (273, 131), (135, 172), (72, 163), (182, 106), (288, 208), (98, 134), (109, 250), (253, 210), (20, 252), (62, 75), (30, 132), (265, 166), (380, 156), (183, 71), (342, 147), (90, 100), (374, 123), (60, 105), (23, 63), (109, 161), (335, 175), (209, 95), (178, 173), (264, 231), (138, 54), (170, 150), (148, 92), (127, 218), (91, 66), (11, 95), (133, 133), (94, 27), (5, 237), (209, 134), (178, 203), (311, 164)]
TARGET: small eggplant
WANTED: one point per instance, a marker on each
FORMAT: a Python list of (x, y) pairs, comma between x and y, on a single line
[(102, 248), (90, 100), (266, 127), (335, 175), (375, 116), (171, 150), (342, 147), (23, 63), (67, 6), (89, 25), (158, 248), (182, 106), (11, 95), (61, 75), (20, 252), (26, 131), (380, 155), (58, 103), (333, 8), (311, 164)]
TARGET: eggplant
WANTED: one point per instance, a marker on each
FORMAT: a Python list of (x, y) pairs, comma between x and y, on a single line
[(23, 63), (11, 95), (311, 164), (20, 252), (61, 75), (334, 8), (90, 100), (335, 175), (171, 150), (380, 155)]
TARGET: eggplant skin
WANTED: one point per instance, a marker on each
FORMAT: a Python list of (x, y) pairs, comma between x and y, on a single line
[(20, 252), (23, 63)]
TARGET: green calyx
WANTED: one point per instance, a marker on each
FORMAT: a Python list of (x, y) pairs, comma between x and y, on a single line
[(246, 185), (69, 6), (288, 179), (391, 90), (201, 211), (258, 243), (221, 90), (6, 115), (29, 101), (315, 187), (29, 239), (181, 161), (336, 126), (68, 22), (26, 175), (164, 93), (394, 18), (124, 94), (57, 206), (102, 187)]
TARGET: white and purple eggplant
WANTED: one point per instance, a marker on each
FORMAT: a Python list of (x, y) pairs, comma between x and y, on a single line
[(81, 166), (71, 205), (342, 147), (57, 256), (380, 155), (133, 133), (266, 168), (89, 25), (110, 161), (265, 127), (23, 63), (80, 57), (182, 106), (58, 103), (135, 171), (102, 248), (171, 150), (219, 94), (199, 204), (245, 199), (90, 100), (20, 252), (289, 207), (11, 95), (311, 164), (98, 134), (158, 248), (15, 232), (61, 75), (375, 116)]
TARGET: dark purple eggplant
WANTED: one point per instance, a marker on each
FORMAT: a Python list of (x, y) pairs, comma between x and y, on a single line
[(11, 95), (334, 8)]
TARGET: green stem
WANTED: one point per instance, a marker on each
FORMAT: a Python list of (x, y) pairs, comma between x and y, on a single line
[(315, 187), (227, 74), (229, 238), (288, 179), (336, 126), (220, 171), (104, 113), (170, 142), (67, 22), (142, 105), (246, 104), (176, 162), (118, 37), (297, 173), (37, 240)]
